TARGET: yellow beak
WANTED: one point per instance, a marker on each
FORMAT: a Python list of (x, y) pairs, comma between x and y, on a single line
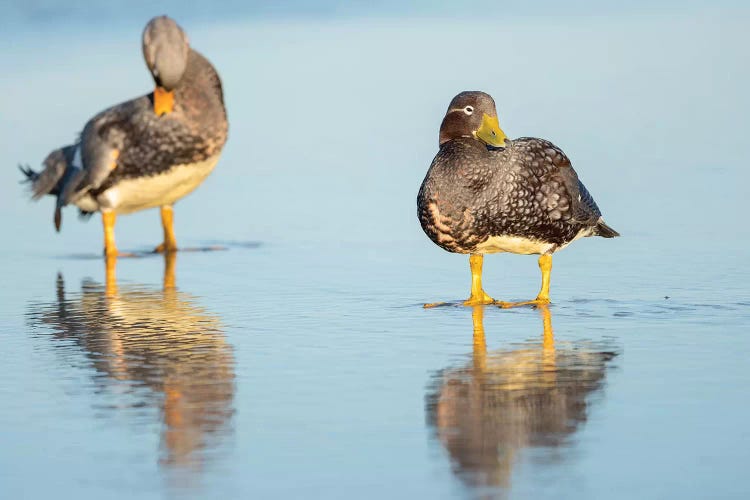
[(490, 133), (163, 101)]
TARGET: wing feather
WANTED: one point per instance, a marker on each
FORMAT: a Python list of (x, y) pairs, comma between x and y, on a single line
[(96, 156)]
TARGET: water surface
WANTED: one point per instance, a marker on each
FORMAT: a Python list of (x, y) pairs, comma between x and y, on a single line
[(299, 362)]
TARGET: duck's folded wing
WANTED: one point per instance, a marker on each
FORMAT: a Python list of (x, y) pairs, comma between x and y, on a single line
[(580, 205), (563, 195), (583, 208), (585, 211), (586, 208), (96, 155)]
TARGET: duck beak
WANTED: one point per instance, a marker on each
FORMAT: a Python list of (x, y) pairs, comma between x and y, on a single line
[(490, 132), (163, 101)]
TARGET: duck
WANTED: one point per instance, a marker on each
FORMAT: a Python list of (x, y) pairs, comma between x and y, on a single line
[(484, 194), (147, 152)]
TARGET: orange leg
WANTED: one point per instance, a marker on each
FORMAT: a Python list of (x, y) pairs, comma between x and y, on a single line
[(478, 296), (167, 224), (545, 265), (108, 221)]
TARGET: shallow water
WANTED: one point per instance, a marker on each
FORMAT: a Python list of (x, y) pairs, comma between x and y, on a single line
[(298, 361)]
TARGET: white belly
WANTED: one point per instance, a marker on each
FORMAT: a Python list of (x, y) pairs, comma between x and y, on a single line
[(526, 246), (513, 244), (132, 195)]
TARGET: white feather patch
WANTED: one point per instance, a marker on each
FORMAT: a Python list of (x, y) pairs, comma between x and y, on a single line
[(513, 244), (77, 162), (140, 193), (525, 246)]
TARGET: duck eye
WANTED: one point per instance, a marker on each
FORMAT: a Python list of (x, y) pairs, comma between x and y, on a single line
[(468, 110)]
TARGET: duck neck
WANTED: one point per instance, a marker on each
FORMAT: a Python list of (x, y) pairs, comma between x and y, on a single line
[(201, 73)]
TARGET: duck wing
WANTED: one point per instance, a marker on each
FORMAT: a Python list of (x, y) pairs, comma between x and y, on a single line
[(560, 192), (102, 140), (557, 190)]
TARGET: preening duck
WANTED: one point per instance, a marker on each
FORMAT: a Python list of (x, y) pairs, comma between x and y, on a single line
[(484, 193), (147, 152)]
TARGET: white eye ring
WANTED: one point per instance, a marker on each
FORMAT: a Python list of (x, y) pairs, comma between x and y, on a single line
[(468, 110)]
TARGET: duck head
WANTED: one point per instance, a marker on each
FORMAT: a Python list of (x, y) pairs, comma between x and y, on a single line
[(165, 49), (473, 115)]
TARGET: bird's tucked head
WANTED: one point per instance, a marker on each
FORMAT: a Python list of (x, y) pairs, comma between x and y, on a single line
[(166, 49), (472, 114)]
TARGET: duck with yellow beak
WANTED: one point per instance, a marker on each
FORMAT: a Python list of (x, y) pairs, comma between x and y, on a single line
[(485, 194), (147, 152)]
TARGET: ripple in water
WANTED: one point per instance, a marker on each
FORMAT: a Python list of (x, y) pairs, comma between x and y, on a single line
[(486, 413), (154, 354)]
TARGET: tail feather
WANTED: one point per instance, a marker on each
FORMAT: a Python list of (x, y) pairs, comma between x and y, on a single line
[(605, 231), (52, 179), (26, 170), (48, 180)]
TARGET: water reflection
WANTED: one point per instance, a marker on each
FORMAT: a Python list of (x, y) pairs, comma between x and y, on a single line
[(152, 349), (506, 401)]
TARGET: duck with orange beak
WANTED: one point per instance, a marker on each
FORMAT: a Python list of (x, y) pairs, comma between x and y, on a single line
[(147, 152)]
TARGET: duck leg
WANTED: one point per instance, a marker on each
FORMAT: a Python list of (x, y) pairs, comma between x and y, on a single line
[(110, 249), (545, 265), (108, 221), (167, 223), (478, 295)]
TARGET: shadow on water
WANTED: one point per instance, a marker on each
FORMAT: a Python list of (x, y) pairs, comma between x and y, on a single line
[(211, 246), (488, 412), (152, 349)]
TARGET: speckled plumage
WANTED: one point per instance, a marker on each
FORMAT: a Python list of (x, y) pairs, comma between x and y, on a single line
[(131, 142), (150, 144), (527, 190)]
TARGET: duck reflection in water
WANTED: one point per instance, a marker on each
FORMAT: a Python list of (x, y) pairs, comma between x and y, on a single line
[(137, 338), (505, 401)]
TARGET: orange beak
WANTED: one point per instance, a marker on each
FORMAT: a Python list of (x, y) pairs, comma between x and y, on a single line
[(163, 101)]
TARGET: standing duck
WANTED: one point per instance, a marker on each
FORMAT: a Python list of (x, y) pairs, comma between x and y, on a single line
[(147, 152), (485, 194)]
